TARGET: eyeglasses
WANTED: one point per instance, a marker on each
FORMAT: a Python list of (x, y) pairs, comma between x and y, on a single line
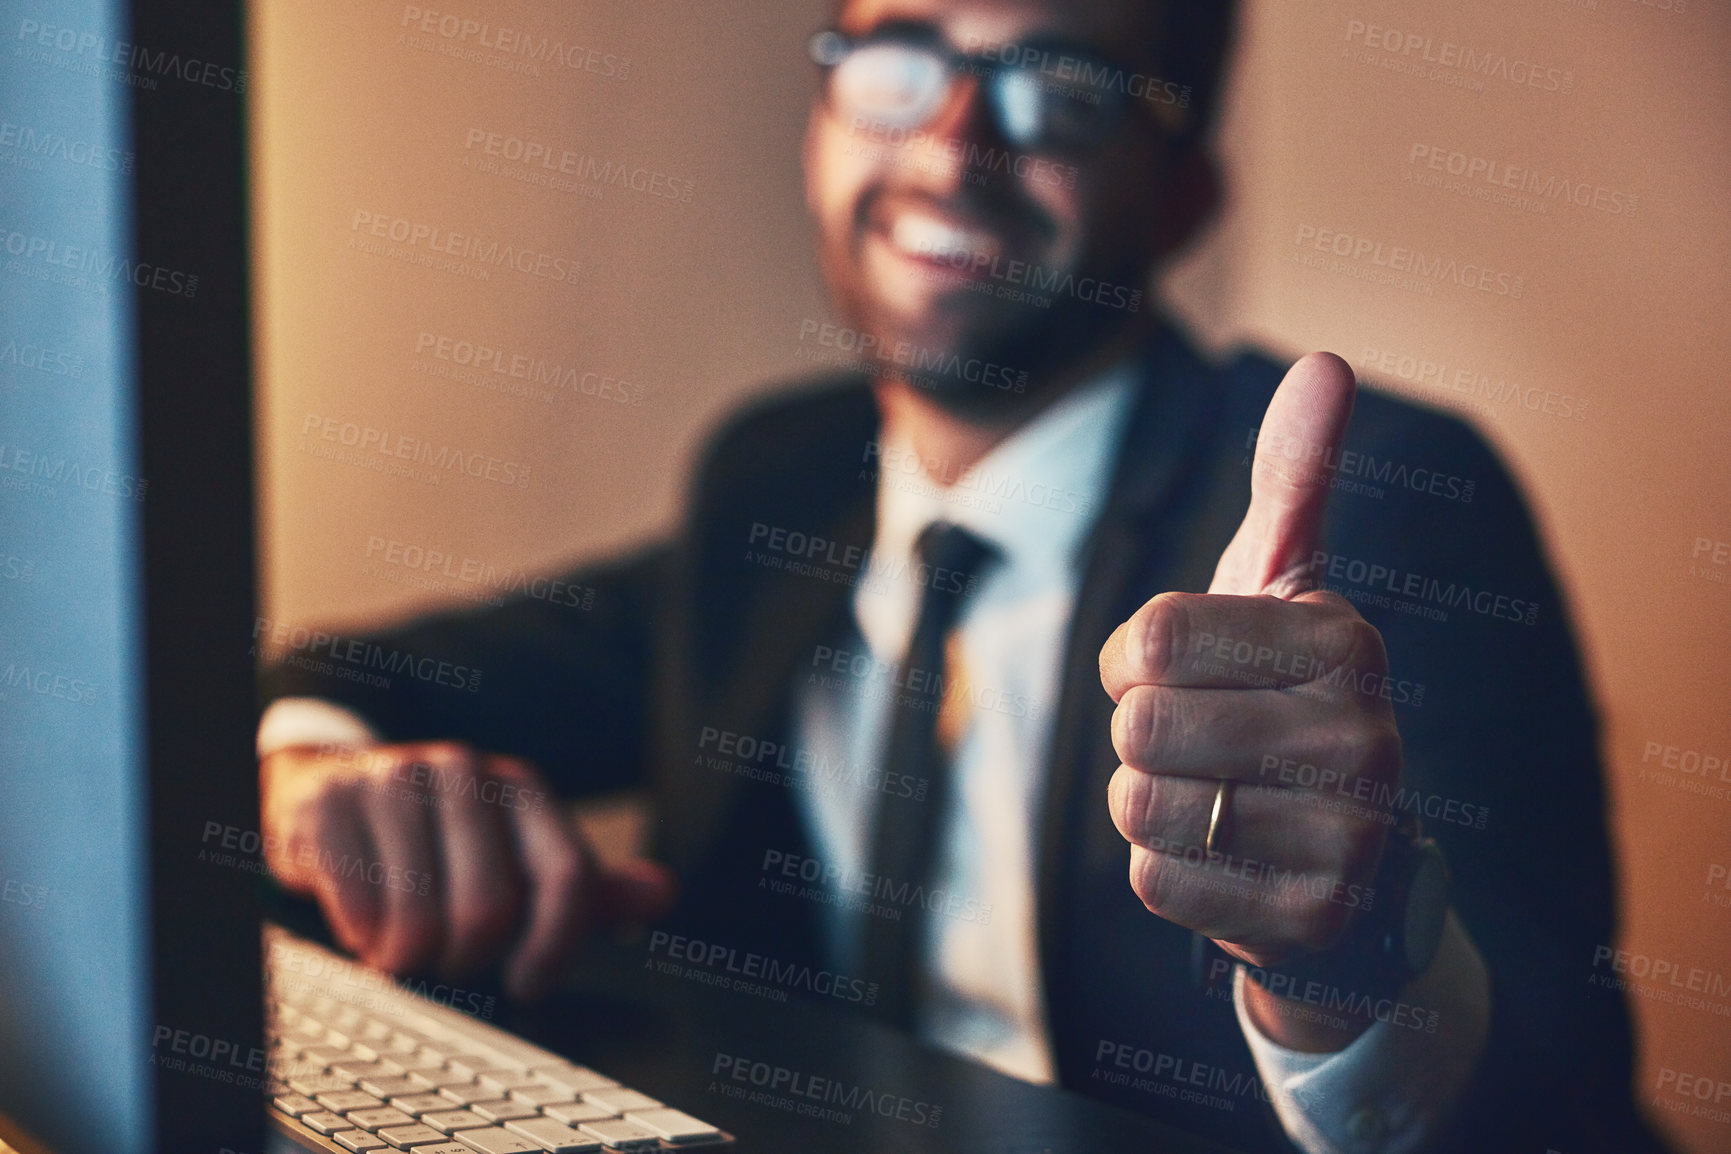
[(902, 79)]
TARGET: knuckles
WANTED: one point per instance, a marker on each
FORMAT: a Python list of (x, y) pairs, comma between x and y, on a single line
[(1320, 925), (1145, 727), (1151, 879), (1363, 644), (476, 923), (1134, 798), (1367, 746), (1361, 845), (563, 869), (413, 936), (1158, 636)]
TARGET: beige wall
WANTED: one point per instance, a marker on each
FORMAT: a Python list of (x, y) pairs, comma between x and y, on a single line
[(695, 303)]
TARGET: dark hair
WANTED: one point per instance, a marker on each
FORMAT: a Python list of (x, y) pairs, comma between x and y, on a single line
[(1192, 40)]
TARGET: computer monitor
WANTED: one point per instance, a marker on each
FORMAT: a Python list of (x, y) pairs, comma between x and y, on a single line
[(129, 957)]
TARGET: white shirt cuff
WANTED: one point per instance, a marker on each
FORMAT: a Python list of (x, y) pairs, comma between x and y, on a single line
[(1392, 1090), (310, 721)]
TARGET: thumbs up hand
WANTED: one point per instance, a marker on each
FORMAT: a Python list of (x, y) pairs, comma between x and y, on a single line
[(1271, 686)]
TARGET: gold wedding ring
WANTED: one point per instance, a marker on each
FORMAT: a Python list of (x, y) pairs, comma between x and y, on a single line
[(1214, 819)]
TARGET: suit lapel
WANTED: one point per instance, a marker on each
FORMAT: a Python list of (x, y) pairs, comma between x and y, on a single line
[(739, 665), (1144, 543)]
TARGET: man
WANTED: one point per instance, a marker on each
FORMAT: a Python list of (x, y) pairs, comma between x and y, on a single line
[(877, 645)]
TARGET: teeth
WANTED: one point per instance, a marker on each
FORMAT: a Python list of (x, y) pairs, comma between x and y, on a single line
[(917, 234)]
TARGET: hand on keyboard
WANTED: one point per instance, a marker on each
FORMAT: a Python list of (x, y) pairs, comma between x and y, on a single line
[(436, 855)]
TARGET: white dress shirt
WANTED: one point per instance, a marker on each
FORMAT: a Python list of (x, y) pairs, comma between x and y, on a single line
[(1035, 497)]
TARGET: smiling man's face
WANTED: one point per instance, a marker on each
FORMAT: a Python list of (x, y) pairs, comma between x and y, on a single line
[(928, 235)]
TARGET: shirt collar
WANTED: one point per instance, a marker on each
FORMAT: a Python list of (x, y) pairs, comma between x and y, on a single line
[(1034, 496)]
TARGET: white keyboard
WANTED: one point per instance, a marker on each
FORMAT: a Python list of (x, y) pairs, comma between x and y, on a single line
[(359, 1064)]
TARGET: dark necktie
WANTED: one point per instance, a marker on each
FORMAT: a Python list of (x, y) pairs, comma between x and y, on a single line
[(904, 848)]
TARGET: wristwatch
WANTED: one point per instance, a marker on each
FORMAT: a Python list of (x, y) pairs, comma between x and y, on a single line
[(1385, 946)]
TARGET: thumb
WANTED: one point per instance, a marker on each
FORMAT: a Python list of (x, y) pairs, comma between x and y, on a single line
[(632, 892), (1296, 453)]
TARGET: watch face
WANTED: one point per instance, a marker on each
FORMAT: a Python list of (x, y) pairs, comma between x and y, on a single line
[(1427, 906)]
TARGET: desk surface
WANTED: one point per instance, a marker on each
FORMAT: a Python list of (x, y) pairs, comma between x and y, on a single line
[(665, 1037)]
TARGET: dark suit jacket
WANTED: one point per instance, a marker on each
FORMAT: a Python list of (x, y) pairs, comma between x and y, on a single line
[(703, 635)]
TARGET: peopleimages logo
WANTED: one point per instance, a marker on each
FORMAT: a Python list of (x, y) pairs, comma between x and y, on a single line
[(1326, 461), (470, 254), (30, 141), (82, 266), (883, 139), (463, 36), (1074, 76), (1472, 385), (865, 352), (1422, 55), (1025, 281), (1433, 595), (1414, 266), (1503, 176), (796, 1091), (352, 658), (91, 51), (41, 359), (386, 451), (873, 893), (46, 683), (554, 160), (753, 969), (40, 472)]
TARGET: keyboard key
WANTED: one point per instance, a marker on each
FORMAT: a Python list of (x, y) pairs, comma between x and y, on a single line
[(286, 1063), (541, 1094), (572, 1113), (404, 1137), (504, 1110), (326, 1123), (294, 1105), (398, 1077), (400, 1044), (342, 1101), (496, 1141), (474, 1065), (619, 1100), (462, 1093), (316, 1084), (323, 1056), (305, 1030), (381, 1117), (395, 1087), (418, 1104), (621, 1135), (295, 1072), (675, 1126), (425, 1064), (555, 1137), (503, 1082), (575, 1079), (357, 1070), (451, 1121)]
